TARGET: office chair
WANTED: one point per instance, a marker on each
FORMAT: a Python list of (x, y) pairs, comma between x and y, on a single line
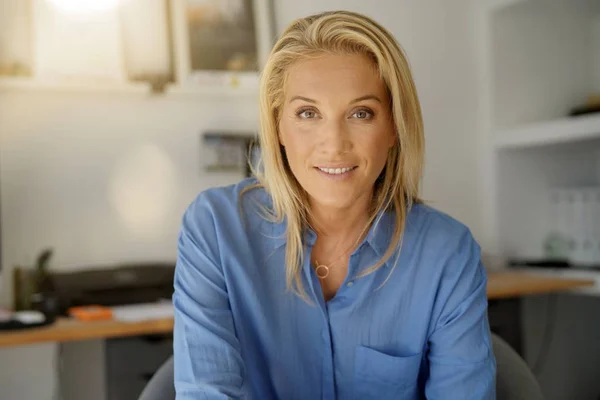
[(514, 379), (160, 386)]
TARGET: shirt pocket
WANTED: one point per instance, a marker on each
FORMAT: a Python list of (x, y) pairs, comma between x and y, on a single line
[(379, 375)]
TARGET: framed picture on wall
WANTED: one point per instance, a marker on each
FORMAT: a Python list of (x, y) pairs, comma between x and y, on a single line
[(221, 42)]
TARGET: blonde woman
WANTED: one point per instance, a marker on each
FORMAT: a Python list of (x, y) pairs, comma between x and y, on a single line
[(327, 277)]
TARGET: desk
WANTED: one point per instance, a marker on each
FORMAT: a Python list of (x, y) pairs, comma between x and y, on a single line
[(510, 284), (67, 329), (501, 285)]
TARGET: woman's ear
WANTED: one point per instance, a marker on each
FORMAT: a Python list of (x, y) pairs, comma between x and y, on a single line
[(280, 137)]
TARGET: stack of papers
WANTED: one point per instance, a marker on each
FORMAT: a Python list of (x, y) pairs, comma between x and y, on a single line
[(143, 312)]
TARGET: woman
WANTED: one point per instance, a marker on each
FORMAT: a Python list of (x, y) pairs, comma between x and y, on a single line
[(327, 278)]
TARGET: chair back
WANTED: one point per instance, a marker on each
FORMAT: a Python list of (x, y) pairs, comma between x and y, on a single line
[(161, 386), (514, 379)]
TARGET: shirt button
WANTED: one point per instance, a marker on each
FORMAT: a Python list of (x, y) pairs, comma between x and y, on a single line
[(350, 283)]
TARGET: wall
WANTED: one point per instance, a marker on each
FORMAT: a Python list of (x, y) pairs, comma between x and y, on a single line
[(103, 178), (595, 46), (64, 156)]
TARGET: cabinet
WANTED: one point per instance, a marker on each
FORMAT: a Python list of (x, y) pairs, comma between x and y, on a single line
[(111, 369)]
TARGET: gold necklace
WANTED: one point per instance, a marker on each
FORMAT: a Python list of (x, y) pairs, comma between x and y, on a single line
[(322, 270)]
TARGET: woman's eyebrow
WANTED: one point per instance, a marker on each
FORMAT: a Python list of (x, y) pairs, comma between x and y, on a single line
[(367, 97), (361, 98), (303, 99)]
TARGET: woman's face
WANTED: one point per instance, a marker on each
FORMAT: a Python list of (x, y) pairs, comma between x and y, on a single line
[(336, 127)]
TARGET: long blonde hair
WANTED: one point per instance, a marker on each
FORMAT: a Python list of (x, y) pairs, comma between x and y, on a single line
[(340, 32)]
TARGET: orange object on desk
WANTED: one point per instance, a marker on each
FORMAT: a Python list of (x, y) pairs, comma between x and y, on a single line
[(90, 313)]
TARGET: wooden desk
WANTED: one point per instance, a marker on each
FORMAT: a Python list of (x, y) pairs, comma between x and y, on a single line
[(67, 329), (501, 285), (510, 284)]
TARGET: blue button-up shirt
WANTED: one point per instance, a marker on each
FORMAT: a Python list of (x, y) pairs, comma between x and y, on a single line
[(239, 333)]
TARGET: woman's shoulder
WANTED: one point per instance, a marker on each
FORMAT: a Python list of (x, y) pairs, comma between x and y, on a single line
[(446, 246), (226, 202), (436, 227)]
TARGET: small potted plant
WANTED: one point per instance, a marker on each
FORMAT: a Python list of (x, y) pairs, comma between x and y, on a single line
[(42, 281), (43, 297), (34, 289)]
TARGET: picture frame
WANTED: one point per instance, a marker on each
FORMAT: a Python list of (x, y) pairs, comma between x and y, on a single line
[(222, 43)]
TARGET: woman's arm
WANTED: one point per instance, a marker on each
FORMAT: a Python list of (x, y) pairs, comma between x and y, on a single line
[(461, 361), (208, 364)]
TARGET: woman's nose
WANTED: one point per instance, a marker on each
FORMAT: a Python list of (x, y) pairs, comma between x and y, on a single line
[(336, 138)]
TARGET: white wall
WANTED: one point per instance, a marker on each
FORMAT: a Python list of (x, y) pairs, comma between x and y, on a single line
[(595, 46), (103, 178), (60, 155)]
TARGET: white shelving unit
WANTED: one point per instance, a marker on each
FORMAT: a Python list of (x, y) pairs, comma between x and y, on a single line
[(493, 5), (564, 130), (227, 92), (27, 84), (32, 84), (118, 51), (538, 59), (33, 38)]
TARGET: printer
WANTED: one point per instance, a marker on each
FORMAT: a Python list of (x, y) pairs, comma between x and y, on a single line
[(113, 285)]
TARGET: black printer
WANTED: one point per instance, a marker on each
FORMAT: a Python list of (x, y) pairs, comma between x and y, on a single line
[(113, 285)]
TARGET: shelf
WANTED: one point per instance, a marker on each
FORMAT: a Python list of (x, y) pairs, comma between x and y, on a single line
[(250, 93), (565, 130), (494, 5), (32, 84), (172, 91)]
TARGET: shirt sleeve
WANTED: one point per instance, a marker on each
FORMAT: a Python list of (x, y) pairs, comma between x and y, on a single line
[(208, 363), (461, 361)]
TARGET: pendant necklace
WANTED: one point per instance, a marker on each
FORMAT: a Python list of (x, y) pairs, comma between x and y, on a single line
[(322, 270)]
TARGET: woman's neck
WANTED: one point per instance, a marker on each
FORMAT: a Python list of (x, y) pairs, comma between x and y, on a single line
[(341, 224)]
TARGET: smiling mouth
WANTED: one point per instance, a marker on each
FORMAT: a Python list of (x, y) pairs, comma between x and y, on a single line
[(336, 171)]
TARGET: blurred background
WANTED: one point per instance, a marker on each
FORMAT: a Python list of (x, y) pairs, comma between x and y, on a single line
[(114, 114)]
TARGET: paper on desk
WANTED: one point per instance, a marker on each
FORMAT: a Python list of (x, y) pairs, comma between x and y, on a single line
[(143, 312)]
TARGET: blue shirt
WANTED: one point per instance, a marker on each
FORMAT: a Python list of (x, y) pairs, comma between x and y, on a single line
[(240, 334)]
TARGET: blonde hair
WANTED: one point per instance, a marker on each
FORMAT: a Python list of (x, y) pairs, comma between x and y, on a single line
[(340, 32)]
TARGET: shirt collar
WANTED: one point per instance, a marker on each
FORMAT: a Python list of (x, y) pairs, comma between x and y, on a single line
[(379, 236), (380, 232), (278, 233)]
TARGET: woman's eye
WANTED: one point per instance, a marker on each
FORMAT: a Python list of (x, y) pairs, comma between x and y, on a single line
[(363, 114), (307, 114)]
